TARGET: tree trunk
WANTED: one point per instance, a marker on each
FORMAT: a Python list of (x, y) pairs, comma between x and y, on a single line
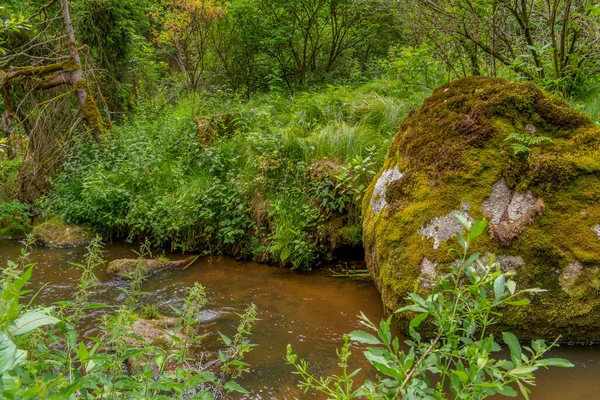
[(87, 105)]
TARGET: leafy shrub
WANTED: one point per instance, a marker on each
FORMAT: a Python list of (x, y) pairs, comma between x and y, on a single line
[(15, 217), (453, 351)]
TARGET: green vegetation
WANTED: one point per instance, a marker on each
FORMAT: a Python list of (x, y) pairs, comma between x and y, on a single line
[(255, 128), (278, 178), (246, 127), (43, 356), (453, 350), (15, 218), (521, 144)]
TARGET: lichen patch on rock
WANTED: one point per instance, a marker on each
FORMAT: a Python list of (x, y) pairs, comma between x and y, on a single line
[(569, 275), (509, 263), (510, 211), (496, 205), (378, 201), (428, 271), (596, 230), (443, 228)]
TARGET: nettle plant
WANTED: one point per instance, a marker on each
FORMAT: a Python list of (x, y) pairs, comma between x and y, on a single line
[(459, 358)]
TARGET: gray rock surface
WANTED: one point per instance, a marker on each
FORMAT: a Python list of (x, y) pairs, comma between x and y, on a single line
[(378, 201), (505, 204), (510, 211), (443, 228), (568, 276), (495, 206), (509, 263), (428, 270)]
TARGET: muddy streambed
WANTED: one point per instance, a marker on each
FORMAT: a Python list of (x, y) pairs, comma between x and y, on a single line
[(309, 311)]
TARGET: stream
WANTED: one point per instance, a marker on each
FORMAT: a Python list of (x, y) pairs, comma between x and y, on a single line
[(310, 311)]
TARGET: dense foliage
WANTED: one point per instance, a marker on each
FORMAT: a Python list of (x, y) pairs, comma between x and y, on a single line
[(278, 178), (252, 128)]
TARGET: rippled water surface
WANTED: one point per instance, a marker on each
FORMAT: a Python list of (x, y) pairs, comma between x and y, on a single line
[(309, 311)]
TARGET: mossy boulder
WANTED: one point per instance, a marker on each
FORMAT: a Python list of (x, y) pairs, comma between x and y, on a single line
[(451, 156), (56, 233), (124, 268)]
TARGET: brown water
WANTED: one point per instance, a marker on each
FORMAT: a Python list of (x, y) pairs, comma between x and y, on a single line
[(309, 311)]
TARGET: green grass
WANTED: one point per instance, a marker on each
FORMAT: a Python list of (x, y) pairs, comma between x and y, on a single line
[(589, 104)]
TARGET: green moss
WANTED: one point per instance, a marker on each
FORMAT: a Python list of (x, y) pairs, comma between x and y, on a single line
[(56, 233), (452, 151), (90, 110)]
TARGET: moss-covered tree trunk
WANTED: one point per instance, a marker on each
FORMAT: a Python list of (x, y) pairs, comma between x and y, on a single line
[(87, 105)]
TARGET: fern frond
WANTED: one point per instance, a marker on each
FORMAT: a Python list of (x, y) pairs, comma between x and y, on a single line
[(539, 139)]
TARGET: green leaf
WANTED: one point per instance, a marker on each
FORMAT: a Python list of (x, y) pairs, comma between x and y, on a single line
[(363, 337), (411, 308), (524, 390), (82, 351), (417, 299), (94, 306), (233, 386), (506, 390), (523, 370), (472, 258), (511, 285), (416, 321), (515, 348), (477, 229), (30, 321), (521, 302), (462, 242), (462, 375), (387, 370), (499, 287), (8, 353), (375, 358), (555, 362), (463, 221), (225, 339)]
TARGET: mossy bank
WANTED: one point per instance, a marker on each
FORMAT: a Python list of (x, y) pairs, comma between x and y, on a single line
[(452, 156)]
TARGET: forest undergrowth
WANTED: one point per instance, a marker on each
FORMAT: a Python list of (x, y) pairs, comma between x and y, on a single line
[(278, 178)]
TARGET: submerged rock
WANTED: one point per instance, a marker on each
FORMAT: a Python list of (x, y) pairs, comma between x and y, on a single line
[(452, 157), (123, 268), (56, 233), (157, 332)]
